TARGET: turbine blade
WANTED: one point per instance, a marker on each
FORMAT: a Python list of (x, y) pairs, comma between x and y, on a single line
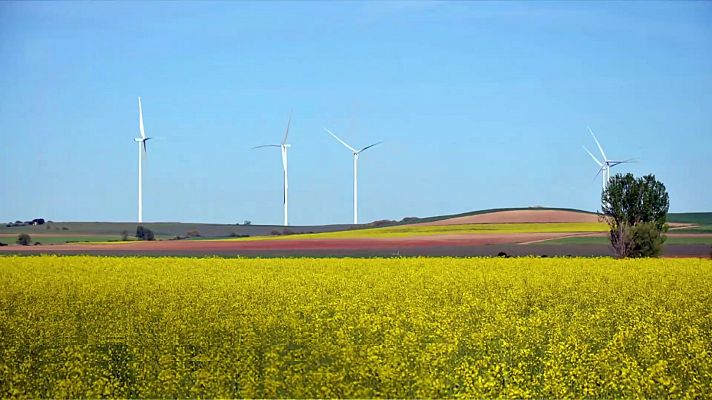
[(614, 163), (140, 118), (371, 145), (284, 160), (284, 141), (628, 161), (599, 171), (342, 142), (267, 145), (143, 142), (600, 164), (598, 144)]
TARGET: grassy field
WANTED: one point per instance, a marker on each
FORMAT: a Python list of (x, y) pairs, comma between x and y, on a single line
[(407, 230), (695, 229), (699, 218), (604, 240), (162, 230), (75, 327), (59, 239)]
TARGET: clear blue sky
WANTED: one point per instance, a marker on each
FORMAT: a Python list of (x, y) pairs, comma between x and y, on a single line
[(481, 105)]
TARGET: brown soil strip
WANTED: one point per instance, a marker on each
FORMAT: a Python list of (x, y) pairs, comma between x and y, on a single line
[(517, 217)]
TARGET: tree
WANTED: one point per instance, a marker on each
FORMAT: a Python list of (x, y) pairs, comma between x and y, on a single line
[(636, 212), (124, 235), (144, 233), (24, 239)]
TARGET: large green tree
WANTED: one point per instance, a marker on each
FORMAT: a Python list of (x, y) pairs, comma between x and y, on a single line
[(636, 212)]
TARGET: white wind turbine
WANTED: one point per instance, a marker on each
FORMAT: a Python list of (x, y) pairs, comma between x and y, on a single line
[(606, 164), (283, 146), (141, 153), (356, 154)]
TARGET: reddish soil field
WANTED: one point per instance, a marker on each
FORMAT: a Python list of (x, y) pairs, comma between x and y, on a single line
[(527, 217), (436, 245), (294, 244), (518, 217)]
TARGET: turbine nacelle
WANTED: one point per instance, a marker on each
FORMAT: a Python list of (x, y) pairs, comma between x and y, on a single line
[(355, 153), (605, 164), (142, 142), (283, 146)]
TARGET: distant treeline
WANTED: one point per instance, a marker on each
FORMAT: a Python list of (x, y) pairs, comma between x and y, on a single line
[(36, 221)]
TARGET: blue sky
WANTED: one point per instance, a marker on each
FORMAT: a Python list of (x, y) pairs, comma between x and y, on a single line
[(481, 105)]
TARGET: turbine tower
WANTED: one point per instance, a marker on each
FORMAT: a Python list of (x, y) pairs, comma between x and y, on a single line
[(283, 147), (141, 153), (606, 164), (356, 154)]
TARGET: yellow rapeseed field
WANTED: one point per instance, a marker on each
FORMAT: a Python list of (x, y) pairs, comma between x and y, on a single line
[(417, 230), (85, 326)]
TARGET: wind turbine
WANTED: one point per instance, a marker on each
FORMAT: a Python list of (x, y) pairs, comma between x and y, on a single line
[(606, 164), (141, 153), (356, 154), (283, 146)]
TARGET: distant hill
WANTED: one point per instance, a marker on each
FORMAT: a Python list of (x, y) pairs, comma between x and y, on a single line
[(416, 220), (60, 232), (700, 218)]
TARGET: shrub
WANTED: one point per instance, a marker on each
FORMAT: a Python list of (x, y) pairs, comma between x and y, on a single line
[(275, 233), (148, 234), (191, 234), (382, 222), (24, 239), (144, 233), (647, 240), (124, 235)]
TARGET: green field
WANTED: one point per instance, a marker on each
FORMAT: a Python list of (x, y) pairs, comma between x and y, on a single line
[(77, 327), (601, 240), (60, 239), (699, 218), (695, 229), (104, 231)]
